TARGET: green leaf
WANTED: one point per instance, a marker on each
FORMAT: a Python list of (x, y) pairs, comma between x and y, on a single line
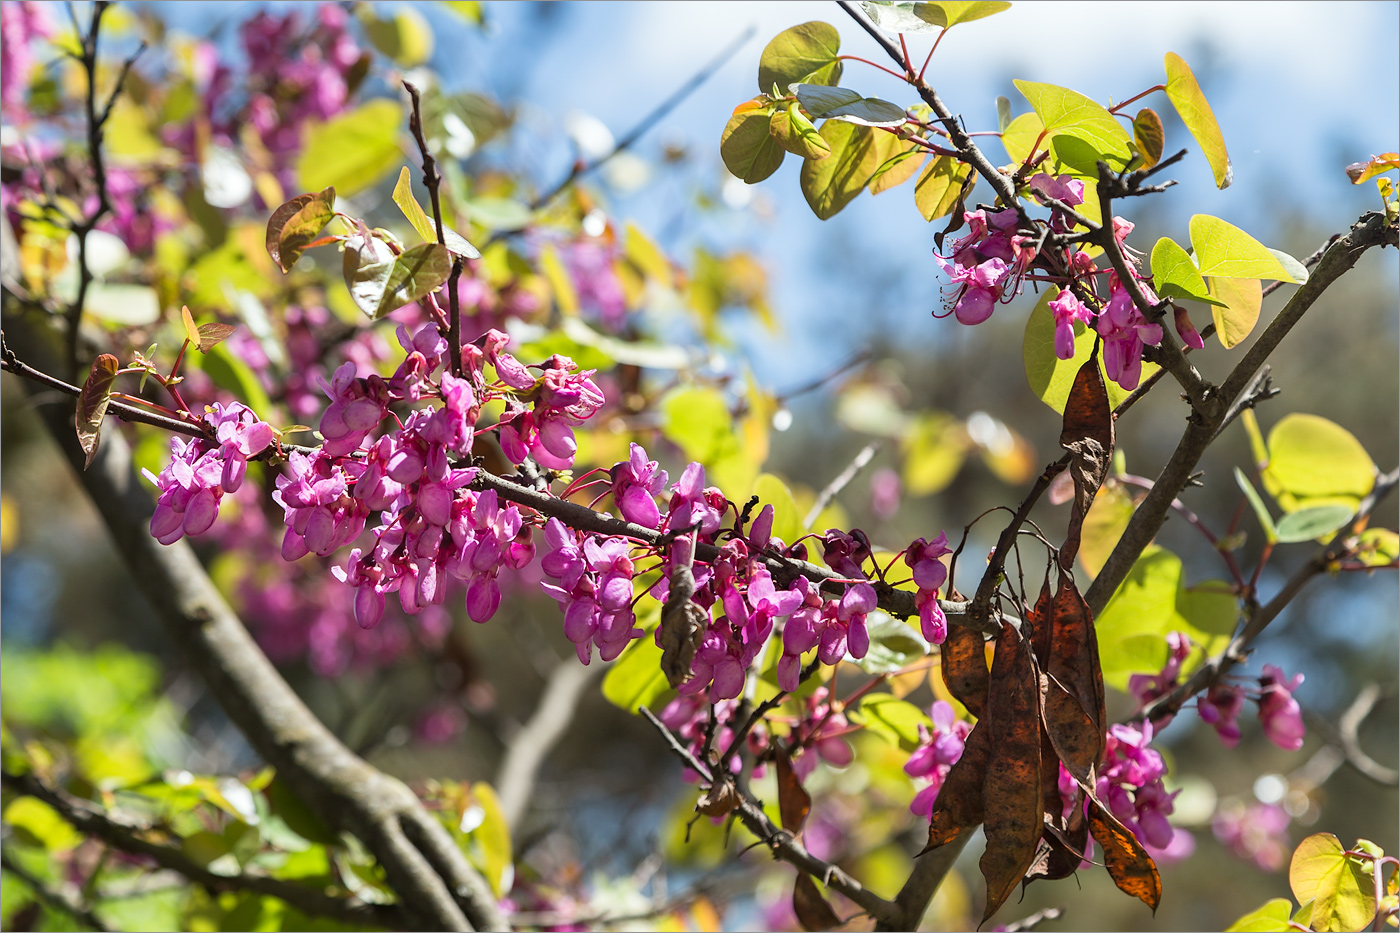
[(122, 304), (405, 36), (934, 448), (795, 133), (37, 824), (1315, 522), (1074, 114), (645, 353), (839, 103), (1185, 95), (1082, 158), (1340, 887), (894, 645), (804, 54), (949, 13), (1148, 136), (787, 519), (1049, 376), (1225, 250), (939, 185), (231, 373), (389, 282), (635, 679), (697, 420), (856, 153), (498, 213), (1174, 275), (749, 150), (1271, 918), (1238, 308), (898, 17), (1312, 458), (898, 169), (353, 150), (1292, 266), (293, 226), (896, 721), (1020, 135), (1378, 547), (423, 224), (1261, 511), (1104, 524), (1003, 113)]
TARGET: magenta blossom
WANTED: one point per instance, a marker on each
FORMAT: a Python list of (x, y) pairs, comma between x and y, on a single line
[(636, 483), (1278, 711), (938, 751), (1068, 310)]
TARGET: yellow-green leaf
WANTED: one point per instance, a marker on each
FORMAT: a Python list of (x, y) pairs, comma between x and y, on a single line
[(1021, 134), (1225, 250), (898, 169), (1149, 136), (1271, 918), (697, 419), (795, 133), (1073, 114), (1339, 886), (749, 150), (636, 679), (934, 449), (423, 224), (1104, 524), (1174, 275), (492, 836), (948, 13), (938, 186), (787, 521), (353, 150), (294, 225), (1238, 311), (39, 824), (856, 152), (1361, 171), (404, 36), (1185, 95), (1312, 458), (804, 54)]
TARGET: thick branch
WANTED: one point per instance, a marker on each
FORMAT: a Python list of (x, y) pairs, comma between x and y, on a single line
[(1147, 520), (126, 836)]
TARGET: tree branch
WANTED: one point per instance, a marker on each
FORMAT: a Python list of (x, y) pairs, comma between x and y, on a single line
[(1147, 520), (780, 842), (126, 836), (526, 751), (56, 898)]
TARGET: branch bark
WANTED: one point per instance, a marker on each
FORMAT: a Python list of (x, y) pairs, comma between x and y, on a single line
[(437, 887), (515, 782)]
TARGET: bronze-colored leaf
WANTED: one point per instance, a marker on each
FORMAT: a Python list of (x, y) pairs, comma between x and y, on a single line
[(1128, 863), (294, 225), (1062, 846), (719, 799), (1037, 625), (794, 803), (963, 660), (812, 910), (1012, 804), (1074, 696), (958, 807), (1088, 436), (211, 335), (92, 404), (683, 621)]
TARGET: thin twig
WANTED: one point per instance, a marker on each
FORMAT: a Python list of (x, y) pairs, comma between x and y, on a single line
[(843, 479)]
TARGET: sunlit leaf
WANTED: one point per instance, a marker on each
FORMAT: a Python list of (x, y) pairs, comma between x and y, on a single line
[(938, 186), (1103, 526), (750, 151), (934, 448), (1271, 918), (1071, 113), (796, 134), (1149, 136), (949, 13), (1340, 887), (1238, 311), (1256, 502), (404, 35), (423, 224), (839, 103), (1185, 95), (191, 331), (352, 151), (212, 334), (898, 169), (491, 838), (801, 54), (1362, 171), (1174, 275), (1312, 458), (856, 152), (635, 679), (1225, 250)]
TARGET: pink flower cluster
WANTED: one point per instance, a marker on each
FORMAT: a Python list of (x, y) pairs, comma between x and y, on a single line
[(929, 575), (20, 24), (988, 264), (200, 472), (938, 751), (1255, 831), (1130, 784), (594, 590), (558, 400)]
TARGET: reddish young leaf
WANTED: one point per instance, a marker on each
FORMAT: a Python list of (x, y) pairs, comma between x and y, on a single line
[(958, 807), (794, 803), (812, 910), (1074, 697), (92, 404), (1128, 863), (1012, 804), (963, 660), (1088, 436), (211, 335)]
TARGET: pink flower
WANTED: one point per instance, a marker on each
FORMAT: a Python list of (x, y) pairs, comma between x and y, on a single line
[(636, 483), (938, 751), (1221, 707), (1068, 310), (1278, 711), (1064, 188)]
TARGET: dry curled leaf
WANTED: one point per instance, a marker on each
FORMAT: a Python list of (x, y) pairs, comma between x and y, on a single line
[(719, 799), (1088, 436), (963, 660), (812, 910), (1128, 863), (1074, 694), (794, 803), (682, 620), (958, 807), (1012, 804)]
